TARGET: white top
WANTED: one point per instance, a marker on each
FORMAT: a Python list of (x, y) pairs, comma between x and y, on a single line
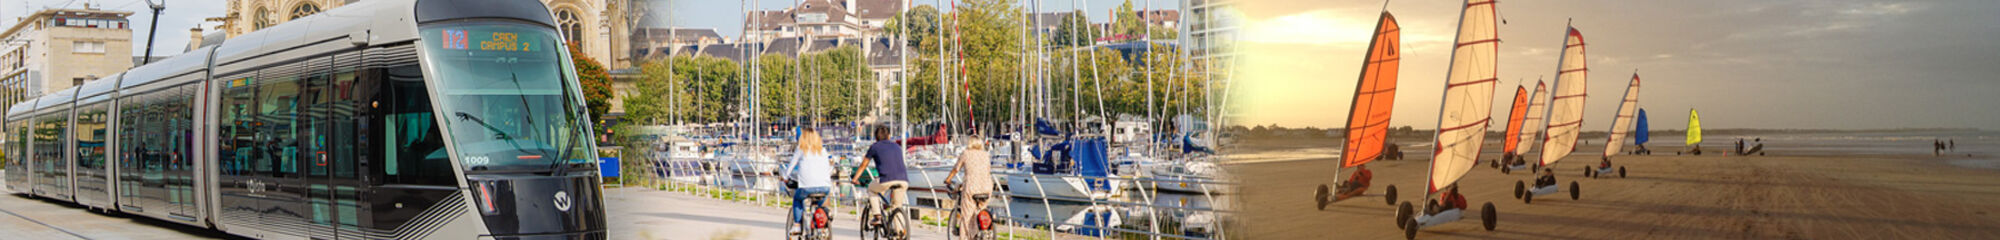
[(809, 169)]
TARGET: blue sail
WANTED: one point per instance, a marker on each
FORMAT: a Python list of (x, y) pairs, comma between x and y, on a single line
[(1640, 135)]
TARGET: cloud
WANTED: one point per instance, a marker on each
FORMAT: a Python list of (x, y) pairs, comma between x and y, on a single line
[(1316, 27), (1881, 9)]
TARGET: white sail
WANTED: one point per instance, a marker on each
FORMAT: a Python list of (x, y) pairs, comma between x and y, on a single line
[(1531, 126), (1621, 125), (1566, 102), (1468, 95)]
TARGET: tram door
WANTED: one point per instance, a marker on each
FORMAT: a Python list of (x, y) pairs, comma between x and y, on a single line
[(285, 130), (320, 136)]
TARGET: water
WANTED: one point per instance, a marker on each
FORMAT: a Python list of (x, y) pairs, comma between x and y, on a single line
[(1975, 149)]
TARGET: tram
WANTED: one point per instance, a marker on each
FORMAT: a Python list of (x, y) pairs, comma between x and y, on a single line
[(389, 119)]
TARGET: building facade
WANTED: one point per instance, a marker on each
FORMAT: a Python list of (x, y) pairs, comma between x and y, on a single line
[(54, 49), (596, 27), (823, 19)]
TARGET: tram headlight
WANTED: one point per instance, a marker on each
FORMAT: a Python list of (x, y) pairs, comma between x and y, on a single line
[(486, 205)]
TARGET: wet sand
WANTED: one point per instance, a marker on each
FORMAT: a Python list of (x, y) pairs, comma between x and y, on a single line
[(1664, 197)]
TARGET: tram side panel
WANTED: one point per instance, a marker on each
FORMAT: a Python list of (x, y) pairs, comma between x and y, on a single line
[(92, 170)]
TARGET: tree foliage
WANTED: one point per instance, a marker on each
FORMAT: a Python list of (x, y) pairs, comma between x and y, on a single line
[(1073, 31), (596, 83), (836, 85), (709, 90)]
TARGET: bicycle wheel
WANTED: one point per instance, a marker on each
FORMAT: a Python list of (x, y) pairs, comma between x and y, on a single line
[(899, 224), (868, 217)]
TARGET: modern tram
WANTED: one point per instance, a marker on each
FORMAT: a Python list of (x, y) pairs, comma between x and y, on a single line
[(391, 119)]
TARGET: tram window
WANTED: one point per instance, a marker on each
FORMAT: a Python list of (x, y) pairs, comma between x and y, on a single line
[(236, 119), (311, 122), (343, 141), (183, 130), (279, 113), (89, 136), (413, 152)]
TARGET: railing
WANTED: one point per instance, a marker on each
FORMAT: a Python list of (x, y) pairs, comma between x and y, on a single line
[(724, 177)]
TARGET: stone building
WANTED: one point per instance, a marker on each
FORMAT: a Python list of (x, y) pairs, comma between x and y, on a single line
[(54, 49)]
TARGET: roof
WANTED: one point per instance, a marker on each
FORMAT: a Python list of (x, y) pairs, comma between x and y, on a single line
[(883, 51), (1160, 16), (679, 34), (877, 9), (46, 13), (880, 51)]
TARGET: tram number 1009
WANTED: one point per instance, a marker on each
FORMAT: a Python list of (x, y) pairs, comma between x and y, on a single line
[(477, 160)]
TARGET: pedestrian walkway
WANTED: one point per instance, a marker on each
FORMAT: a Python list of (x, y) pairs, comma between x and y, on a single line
[(637, 213)]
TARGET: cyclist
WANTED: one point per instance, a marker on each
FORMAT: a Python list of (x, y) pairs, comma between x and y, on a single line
[(811, 171), (887, 156), (978, 167)]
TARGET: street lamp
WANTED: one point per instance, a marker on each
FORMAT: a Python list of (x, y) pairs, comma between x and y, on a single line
[(153, 30)]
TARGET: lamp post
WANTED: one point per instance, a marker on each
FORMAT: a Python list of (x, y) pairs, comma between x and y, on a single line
[(153, 30)]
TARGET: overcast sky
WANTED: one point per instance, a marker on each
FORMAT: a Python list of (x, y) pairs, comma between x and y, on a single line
[(1823, 64)]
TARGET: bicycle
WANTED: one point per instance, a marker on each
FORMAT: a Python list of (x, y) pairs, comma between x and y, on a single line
[(984, 219), (895, 224), (819, 220)]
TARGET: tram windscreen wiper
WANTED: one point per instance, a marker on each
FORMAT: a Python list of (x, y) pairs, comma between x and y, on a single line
[(560, 165), (497, 132)]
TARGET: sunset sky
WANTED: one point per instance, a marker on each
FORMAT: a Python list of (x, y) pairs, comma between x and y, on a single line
[(1819, 64)]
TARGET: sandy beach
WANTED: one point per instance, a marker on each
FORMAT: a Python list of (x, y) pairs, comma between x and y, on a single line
[(1790, 196)]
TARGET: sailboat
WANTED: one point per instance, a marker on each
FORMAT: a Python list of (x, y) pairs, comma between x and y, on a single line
[(1531, 126), (1515, 119), (1621, 126), (1641, 134), (1368, 117), (1693, 132), (1565, 116), (1462, 118)]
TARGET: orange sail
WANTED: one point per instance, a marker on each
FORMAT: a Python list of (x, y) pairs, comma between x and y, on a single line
[(1514, 119), (1374, 96)]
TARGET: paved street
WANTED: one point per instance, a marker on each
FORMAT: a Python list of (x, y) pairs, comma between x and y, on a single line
[(22, 217), (647, 214)]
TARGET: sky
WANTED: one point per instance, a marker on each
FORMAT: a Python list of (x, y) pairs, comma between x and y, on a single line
[(1792, 64), (726, 18), (174, 22)]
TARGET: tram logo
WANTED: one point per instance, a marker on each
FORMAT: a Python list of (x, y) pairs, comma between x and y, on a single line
[(562, 201)]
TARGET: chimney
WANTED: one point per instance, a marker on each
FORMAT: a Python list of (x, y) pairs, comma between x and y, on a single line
[(194, 38)]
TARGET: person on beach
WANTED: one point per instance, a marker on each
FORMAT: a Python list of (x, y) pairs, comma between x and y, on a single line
[(1448, 201), (978, 167), (810, 172), (1605, 163), (1937, 147), (1548, 178), (887, 156), (1739, 146), (1362, 177)]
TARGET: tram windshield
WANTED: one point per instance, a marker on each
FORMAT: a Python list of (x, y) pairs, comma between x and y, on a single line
[(507, 97)]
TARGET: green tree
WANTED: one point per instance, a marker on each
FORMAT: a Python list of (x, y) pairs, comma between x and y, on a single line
[(775, 75), (1127, 21), (839, 84), (596, 83), (1073, 31), (991, 44), (923, 26), (697, 89)]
